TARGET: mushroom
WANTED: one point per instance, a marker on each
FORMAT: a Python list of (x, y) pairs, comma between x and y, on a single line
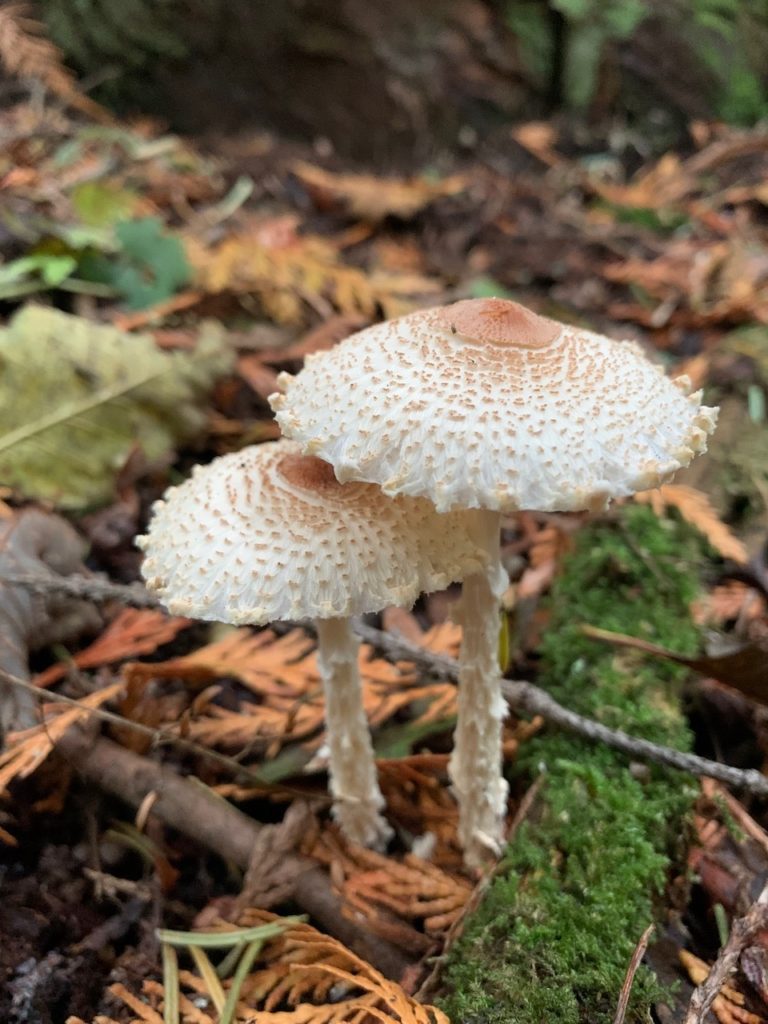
[(485, 405), (266, 534)]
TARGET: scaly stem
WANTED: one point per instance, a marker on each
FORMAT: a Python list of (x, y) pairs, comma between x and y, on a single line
[(354, 786), (476, 763)]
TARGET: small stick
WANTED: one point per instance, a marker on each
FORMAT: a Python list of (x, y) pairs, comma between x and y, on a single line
[(634, 963), (521, 695), (742, 931), (215, 823), (158, 736)]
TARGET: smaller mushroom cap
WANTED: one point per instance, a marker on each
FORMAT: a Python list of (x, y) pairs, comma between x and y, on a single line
[(266, 534), (484, 404)]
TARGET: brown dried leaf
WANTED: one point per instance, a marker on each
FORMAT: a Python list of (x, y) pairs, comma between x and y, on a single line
[(289, 272), (728, 1007), (134, 631), (370, 198), (549, 546), (744, 667), (282, 672), (697, 510)]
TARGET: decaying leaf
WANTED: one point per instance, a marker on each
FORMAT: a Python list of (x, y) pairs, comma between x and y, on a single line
[(27, 750), (26, 51), (371, 198), (697, 282), (75, 397), (289, 273), (743, 665), (697, 510)]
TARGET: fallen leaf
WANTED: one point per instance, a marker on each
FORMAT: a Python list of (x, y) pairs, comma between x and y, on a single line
[(371, 198), (74, 395), (290, 273), (744, 666)]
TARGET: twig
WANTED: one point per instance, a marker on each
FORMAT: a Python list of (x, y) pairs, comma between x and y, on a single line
[(532, 700), (157, 736), (208, 819), (634, 963), (86, 587), (742, 931), (522, 696)]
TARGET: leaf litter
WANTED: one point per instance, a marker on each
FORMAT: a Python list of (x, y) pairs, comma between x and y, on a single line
[(97, 213)]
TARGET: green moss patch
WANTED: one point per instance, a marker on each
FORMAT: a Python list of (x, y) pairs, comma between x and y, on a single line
[(583, 877)]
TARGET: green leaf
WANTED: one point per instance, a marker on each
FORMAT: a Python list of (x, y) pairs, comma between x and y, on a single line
[(100, 204), (485, 287), (35, 271), (77, 397), (152, 265)]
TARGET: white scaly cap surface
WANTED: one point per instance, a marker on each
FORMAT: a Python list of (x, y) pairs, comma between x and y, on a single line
[(266, 534), (484, 404)]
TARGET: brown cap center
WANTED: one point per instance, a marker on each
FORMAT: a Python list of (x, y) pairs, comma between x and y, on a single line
[(498, 322), (307, 472)]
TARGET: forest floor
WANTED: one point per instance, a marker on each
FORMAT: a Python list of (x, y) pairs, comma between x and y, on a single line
[(151, 290)]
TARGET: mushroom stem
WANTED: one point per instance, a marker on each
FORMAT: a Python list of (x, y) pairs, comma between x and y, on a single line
[(354, 785), (475, 765)]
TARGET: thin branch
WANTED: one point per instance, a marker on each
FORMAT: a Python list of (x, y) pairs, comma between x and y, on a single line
[(634, 963), (532, 700), (88, 588), (522, 696), (158, 736), (213, 822), (743, 931)]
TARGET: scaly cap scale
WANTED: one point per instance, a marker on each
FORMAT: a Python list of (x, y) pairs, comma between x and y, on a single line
[(484, 404), (266, 533)]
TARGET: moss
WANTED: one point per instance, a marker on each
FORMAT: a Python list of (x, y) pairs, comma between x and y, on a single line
[(580, 882)]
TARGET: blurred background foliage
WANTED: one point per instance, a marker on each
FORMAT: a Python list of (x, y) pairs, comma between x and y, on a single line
[(442, 71)]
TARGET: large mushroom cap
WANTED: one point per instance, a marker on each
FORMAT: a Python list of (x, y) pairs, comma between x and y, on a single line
[(267, 534), (484, 404)]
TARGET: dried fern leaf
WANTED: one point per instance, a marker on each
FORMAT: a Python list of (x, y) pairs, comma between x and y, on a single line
[(373, 199), (25, 751), (291, 273), (26, 52), (283, 673), (697, 510)]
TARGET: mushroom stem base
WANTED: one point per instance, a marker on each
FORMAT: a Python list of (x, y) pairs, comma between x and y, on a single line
[(357, 799), (475, 767)]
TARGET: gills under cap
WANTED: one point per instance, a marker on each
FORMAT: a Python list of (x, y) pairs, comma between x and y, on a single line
[(485, 404), (267, 533)]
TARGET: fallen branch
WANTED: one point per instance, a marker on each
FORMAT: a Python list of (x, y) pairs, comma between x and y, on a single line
[(210, 820), (743, 931), (522, 696)]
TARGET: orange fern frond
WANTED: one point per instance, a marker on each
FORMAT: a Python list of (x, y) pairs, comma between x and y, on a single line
[(696, 509), (26, 51)]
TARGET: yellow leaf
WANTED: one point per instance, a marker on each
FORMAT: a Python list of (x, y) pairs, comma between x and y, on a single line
[(370, 198)]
